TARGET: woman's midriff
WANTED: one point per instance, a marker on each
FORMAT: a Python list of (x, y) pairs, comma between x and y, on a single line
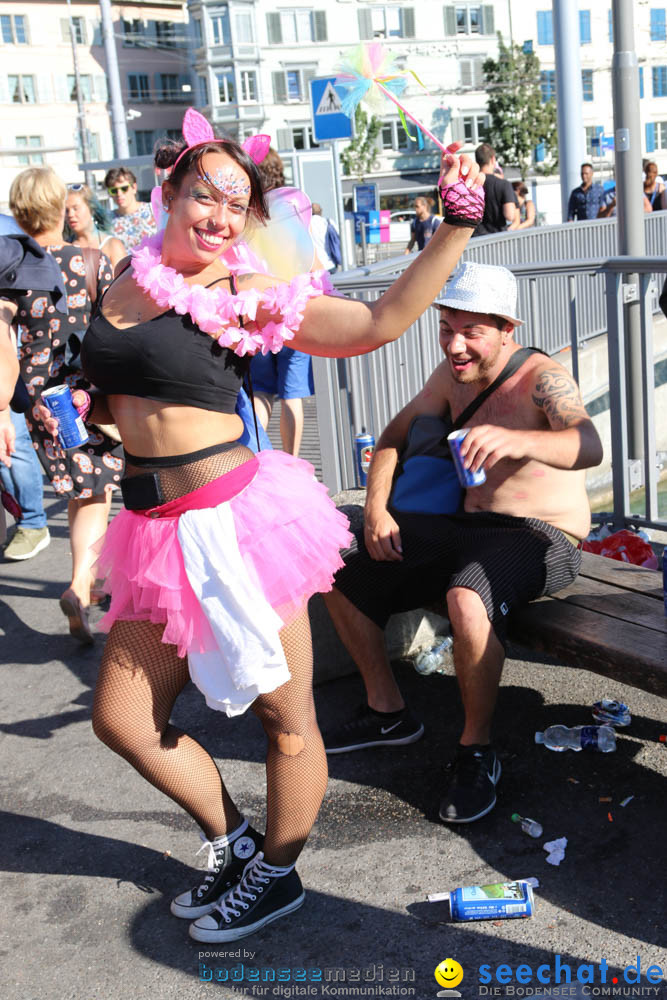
[(150, 428)]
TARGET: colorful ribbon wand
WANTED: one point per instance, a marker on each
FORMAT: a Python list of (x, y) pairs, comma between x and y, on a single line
[(367, 74)]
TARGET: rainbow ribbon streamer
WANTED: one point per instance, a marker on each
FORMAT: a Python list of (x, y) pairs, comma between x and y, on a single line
[(368, 74)]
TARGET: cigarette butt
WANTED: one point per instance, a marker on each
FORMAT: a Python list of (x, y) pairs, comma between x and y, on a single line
[(605, 798), (610, 817), (166, 854), (573, 780)]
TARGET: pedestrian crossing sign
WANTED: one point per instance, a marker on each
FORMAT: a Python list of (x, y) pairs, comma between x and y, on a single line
[(329, 121)]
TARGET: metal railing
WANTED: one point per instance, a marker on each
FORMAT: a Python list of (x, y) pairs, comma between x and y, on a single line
[(566, 302)]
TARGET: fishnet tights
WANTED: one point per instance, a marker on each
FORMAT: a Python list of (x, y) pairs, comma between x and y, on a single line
[(140, 679), (180, 479)]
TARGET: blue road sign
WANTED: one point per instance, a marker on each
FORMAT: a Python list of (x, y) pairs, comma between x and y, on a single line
[(329, 122)]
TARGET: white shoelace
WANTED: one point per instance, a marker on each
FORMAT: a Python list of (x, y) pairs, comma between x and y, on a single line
[(212, 860), (256, 876)]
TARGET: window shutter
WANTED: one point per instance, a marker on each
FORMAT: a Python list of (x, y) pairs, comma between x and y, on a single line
[(450, 20), (97, 32), (64, 29), (274, 30), (306, 75), (611, 27), (284, 139), (320, 25), (408, 22), (650, 137), (100, 84), (488, 23), (279, 88), (584, 27), (478, 74), (62, 90), (457, 130), (466, 73), (641, 82), (365, 24), (44, 90)]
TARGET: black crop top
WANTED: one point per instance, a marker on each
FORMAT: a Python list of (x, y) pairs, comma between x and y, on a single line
[(167, 358)]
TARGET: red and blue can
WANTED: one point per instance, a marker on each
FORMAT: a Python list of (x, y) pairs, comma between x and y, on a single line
[(72, 432), (364, 445), (467, 477)]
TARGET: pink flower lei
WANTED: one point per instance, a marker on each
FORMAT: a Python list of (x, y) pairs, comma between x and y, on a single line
[(217, 311)]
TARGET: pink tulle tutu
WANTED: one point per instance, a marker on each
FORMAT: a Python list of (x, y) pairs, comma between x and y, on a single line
[(289, 535)]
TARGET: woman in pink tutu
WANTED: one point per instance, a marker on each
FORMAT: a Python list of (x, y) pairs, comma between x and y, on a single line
[(211, 564)]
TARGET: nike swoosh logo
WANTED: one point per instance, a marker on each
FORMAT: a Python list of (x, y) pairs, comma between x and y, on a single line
[(387, 729)]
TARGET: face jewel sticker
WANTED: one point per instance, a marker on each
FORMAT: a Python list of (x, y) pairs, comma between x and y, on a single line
[(229, 184)]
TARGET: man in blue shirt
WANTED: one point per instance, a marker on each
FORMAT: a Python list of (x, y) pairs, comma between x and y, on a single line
[(585, 200), (423, 226)]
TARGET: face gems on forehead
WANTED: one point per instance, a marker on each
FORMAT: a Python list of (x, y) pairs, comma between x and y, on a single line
[(228, 183)]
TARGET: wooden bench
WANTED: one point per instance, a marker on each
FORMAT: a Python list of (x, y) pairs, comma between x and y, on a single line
[(611, 621)]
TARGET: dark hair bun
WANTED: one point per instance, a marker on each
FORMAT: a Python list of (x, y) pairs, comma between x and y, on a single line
[(167, 151)]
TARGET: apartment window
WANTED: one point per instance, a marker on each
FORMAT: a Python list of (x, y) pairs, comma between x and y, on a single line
[(302, 137), (660, 81), (86, 86), (545, 28), (243, 31), (387, 137), (587, 84), (169, 87), (14, 28), (248, 80), (226, 88), (134, 34), (79, 26), (29, 142), (658, 24), (21, 89), (475, 128), (548, 85), (165, 33), (661, 134), (94, 146), (220, 28), (472, 73), (138, 86), (143, 142), (291, 85), (198, 33), (593, 133), (202, 87), (287, 27), (585, 27), (386, 22), (469, 19)]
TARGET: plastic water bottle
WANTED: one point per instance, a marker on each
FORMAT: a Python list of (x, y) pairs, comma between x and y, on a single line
[(529, 826), (559, 738), (436, 658)]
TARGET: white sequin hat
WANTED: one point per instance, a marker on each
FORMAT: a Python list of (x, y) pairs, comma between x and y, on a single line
[(481, 288)]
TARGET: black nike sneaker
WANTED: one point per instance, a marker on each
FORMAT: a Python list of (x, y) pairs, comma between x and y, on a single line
[(373, 729)]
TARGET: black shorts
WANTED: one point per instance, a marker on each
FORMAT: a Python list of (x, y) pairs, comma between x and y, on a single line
[(508, 561)]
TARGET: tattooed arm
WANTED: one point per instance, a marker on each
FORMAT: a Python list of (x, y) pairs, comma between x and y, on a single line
[(571, 442)]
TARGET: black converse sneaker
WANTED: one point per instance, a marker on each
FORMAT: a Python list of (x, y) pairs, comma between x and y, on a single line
[(263, 894), (370, 729), (474, 774), (227, 858)]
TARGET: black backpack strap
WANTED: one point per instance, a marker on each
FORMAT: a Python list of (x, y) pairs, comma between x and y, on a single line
[(512, 366)]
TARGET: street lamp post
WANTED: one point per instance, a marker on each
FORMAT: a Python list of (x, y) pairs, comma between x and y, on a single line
[(80, 106)]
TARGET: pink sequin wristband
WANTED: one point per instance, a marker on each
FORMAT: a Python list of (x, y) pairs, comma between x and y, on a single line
[(83, 409)]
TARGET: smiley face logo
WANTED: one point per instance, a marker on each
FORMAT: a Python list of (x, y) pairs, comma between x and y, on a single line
[(448, 973)]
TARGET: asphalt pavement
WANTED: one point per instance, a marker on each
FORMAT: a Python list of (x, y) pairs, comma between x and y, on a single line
[(93, 854)]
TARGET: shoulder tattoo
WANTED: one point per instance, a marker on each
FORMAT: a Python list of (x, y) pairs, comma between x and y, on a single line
[(558, 395)]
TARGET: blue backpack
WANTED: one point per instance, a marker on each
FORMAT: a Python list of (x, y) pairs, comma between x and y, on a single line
[(332, 244)]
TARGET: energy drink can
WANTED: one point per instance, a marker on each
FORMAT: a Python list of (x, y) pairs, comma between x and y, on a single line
[(467, 478), (364, 445), (72, 432), (492, 902)]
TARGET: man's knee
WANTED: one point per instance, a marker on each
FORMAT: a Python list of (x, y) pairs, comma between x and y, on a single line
[(466, 610)]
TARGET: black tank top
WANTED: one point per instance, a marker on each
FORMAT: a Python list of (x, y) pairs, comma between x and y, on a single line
[(168, 358)]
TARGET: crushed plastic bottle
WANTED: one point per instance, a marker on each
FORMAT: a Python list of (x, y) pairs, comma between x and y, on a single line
[(529, 826), (602, 738), (436, 658), (610, 712)]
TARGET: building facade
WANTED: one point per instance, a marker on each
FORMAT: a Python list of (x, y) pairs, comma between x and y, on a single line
[(38, 99)]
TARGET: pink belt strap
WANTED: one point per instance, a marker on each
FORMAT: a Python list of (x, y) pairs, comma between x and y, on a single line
[(218, 491)]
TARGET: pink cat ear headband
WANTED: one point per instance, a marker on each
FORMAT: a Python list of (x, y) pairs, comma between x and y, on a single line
[(197, 132)]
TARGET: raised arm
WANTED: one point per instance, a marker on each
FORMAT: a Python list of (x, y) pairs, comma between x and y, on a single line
[(569, 442)]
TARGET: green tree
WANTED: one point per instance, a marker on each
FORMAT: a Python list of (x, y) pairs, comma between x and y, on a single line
[(357, 158), (520, 121)]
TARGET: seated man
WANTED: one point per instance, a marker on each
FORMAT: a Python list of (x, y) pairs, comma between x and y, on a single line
[(515, 540)]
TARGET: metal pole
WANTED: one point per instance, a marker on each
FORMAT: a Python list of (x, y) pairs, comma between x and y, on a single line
[(118, 123), (629, 203), (80, 107), (339, 204), (569, 97)]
